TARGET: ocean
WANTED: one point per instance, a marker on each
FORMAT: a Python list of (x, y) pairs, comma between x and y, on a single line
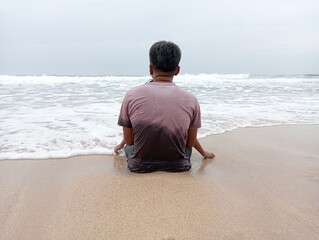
[(63, 116)]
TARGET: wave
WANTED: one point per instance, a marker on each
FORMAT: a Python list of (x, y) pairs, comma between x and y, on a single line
[(60, 116), (56, 79)]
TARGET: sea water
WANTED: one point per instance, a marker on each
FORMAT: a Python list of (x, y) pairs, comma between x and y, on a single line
[(62, 116)]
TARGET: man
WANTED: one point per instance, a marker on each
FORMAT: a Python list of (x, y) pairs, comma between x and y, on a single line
[(159, 119)]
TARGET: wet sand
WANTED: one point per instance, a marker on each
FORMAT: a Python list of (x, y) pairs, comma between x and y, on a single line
[(263, 184)]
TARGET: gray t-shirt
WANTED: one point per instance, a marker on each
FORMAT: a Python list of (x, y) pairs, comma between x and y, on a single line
[(160, 115)]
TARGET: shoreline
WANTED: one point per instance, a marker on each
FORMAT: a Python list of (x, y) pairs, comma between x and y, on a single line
[(201, 139), (263, 184)]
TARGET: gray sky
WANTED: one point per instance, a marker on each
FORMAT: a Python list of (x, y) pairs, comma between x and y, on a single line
[(113, 37)]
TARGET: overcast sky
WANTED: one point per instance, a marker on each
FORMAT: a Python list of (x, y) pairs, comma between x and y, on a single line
[(113, 37)]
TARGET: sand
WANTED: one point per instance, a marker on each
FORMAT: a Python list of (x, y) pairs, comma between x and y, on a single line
[(263, 184)]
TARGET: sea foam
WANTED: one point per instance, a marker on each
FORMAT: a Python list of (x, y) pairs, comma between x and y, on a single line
[(62, 116)]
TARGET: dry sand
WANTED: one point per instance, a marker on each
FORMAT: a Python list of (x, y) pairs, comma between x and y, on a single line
[(263, 184)]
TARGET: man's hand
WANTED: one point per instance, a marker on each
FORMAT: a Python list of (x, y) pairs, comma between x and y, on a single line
[(208, 154), (118, 148)]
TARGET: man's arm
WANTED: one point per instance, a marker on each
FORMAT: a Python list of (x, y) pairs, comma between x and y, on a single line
[(128, 135), (192, 137), (204, 153)]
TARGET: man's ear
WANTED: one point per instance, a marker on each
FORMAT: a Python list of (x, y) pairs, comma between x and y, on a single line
[(151, 69), (177, 70)]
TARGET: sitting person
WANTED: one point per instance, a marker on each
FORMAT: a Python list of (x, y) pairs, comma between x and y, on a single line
[(159, 119)]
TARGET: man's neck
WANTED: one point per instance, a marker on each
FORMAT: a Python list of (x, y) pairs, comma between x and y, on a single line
[(162, 78)]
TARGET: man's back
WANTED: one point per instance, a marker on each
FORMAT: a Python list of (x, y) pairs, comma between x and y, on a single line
[(160, 115)]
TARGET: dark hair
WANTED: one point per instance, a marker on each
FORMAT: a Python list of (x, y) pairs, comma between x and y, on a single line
[(165, 56)]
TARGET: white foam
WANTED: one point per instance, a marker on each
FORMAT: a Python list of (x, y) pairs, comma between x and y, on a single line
[(62, 116)]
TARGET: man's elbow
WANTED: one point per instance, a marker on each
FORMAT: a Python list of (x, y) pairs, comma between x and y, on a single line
[(128, 141), (192, 137), (128, 136)]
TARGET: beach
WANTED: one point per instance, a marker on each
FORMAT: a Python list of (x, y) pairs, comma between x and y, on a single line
[(262, 184)]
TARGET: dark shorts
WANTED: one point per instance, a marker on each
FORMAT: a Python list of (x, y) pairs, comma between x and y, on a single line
[(142, 166)]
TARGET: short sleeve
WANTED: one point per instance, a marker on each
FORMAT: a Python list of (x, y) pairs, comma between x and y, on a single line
[(124, 118), (196, 119)]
